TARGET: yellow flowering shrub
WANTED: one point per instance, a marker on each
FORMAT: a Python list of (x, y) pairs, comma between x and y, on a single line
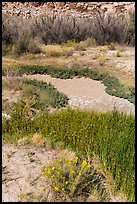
[(69, 176)]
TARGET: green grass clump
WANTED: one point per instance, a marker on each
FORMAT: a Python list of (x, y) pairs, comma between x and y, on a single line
[(109, 135), (113, 86), (47, 94), (36, 97)]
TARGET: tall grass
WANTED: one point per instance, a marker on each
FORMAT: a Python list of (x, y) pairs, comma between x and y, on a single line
[(109, 135)]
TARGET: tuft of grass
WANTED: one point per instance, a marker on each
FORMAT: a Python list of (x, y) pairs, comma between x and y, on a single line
[(59, 145), (104, 48), (101, 60), (111, 46), (71, 42), (90, 42), (11, 84), (67, 52), (23, 141), (118, 54), (81, 46), (38, 139)]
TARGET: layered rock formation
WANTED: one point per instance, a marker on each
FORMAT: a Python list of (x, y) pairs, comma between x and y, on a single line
[(86, 9)]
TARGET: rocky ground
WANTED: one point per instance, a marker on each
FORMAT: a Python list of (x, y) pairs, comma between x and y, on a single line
[(86, 9), (22, 178), (22, 168)]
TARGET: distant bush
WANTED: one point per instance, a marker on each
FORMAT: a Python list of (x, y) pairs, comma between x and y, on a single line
[(9, 29), (21, 46), (17, 35), (55, 28), (130, 31), (26, 44), (107, 28), (52, 27)]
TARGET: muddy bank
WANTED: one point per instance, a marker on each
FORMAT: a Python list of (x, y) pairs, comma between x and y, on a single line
[(87, 93)]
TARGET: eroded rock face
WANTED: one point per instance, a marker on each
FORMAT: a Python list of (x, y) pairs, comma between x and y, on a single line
[(83, 8)]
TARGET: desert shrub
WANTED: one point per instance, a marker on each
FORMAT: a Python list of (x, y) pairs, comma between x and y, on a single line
[(9, 29), (13, 27), (130, 30), (55, 28), (21, 46), (52, 27), (17, 32), (107, 28), (100, 28), (25, 44), (72, 177)]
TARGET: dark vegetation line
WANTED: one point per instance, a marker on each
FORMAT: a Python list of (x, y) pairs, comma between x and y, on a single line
[(113, 86), (35, 97), (51, 96), (109, 135), (18, 34)]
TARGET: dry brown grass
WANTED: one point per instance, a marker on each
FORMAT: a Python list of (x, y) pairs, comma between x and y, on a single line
[(57, 50), (104, 48), (23, 141), (38, 139), (101, 60), (12, 84), (59, 145), (67, 154), (66, 56)]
